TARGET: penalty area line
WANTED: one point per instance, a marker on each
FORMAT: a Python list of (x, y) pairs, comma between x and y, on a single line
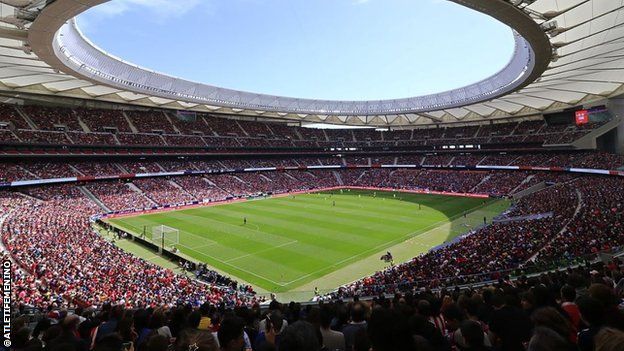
[(418, 234), (235, 267), (261, 251)]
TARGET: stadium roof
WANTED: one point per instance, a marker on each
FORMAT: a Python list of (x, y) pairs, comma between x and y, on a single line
[(567, 52)]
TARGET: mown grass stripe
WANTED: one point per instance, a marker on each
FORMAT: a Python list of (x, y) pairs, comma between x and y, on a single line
[(288, 242)]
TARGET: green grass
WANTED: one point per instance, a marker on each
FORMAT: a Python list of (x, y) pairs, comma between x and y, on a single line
[(288, 242)]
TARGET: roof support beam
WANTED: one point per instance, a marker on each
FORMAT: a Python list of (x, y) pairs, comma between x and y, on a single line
[(14, 34)]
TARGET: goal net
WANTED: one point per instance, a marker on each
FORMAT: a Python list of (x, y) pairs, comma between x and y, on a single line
[(164, 234)]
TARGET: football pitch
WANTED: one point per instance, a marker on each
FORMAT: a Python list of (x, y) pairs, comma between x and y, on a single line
[(291, 242)]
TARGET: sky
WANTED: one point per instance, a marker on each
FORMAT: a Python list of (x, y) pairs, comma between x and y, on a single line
[(319, 49)]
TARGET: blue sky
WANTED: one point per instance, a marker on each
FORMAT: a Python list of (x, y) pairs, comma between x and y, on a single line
[(324, 49)]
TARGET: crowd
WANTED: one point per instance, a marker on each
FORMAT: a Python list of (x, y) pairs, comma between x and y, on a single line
[(436, 180), (233, 185), (256, 129), (467, 159), (497, 183), (62, 262), (117, 196), (11, 171), (41, 137), (151, 121), (221, 142), (140, 139), (500, 183), (251, 183), (140, 167), (185, 140), (477, 257), (597, 227), (163, 191), (12, 117), (101, 120), (382, 160), (51, 118), (177, 165), (569, 310), (46, 170), (286, 182), (162, 128), (48, 234), (81, 138), (96, 169), (6, 135), (497, 129), (438, 160), (200, 188), (584, 217)]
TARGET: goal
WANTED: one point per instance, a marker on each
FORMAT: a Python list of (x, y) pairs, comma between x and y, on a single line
[(166, 236)]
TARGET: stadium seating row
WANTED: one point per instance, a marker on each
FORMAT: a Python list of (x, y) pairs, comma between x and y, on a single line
[(43, 125), (587, 219), (12, 171), (56, 247)]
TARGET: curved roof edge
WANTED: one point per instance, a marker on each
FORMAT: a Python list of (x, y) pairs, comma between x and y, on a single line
[(55, 39)]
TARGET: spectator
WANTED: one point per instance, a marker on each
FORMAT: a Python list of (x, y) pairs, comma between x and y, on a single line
[(545, 339), (509, 325), (568, 296), (609, 339), (332, 340), (231, 334), (270, 331), (549, 317), (299, 336), (388, 330), (67, 340), (357, 322), (592, 314), (472, 337), (197, 340)]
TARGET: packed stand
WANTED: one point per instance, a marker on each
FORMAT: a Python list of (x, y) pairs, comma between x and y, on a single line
[(162, 191), (117, 196), (484, 254), (569, 310), (200, 188), (51, 238)]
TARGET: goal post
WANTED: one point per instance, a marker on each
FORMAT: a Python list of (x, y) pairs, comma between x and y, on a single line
[(165, 236)]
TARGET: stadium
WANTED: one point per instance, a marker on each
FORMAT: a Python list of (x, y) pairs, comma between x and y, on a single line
[(144, 211)]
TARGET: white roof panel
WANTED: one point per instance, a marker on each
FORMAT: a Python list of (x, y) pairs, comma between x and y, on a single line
[(590, 63)]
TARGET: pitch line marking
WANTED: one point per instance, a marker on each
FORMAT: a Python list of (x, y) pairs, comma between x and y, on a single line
[(261, 251), (233, 266), (282, 284), (433, 227), (138, 233), (203, 238), (256, 226), (252, 231), (206, 245), (223, 262)]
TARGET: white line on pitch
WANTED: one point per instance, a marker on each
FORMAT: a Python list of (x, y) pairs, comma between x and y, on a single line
[(235, 267), (261, 251), (225, 263), (433, 227), (213, 243)]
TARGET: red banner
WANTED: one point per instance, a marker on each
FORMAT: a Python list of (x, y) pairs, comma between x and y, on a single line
[(582, 117)]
